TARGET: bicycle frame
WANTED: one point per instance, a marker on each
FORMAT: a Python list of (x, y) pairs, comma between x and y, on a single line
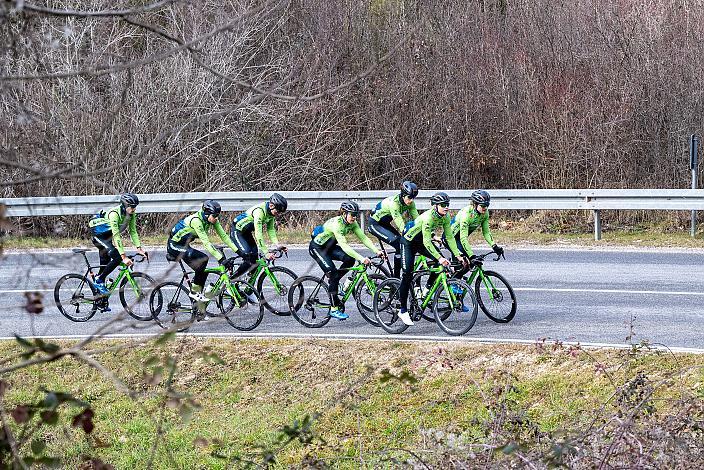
[(440, 280), (124, 270), (486, 281), (223, 281), (361, 274)]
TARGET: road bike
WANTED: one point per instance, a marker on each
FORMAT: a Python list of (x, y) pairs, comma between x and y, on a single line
[(272, 283), (78, 299), (445, 297), (310, 301), (172, 308)]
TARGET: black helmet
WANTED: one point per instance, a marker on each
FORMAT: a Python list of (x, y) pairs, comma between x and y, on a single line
[(211, 207), (350, 207), (439, 198), (409, 188), (481, 197), (129, 200), (280, 203)]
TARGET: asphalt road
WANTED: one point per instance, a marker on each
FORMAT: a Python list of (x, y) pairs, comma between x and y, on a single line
[(585, 296)]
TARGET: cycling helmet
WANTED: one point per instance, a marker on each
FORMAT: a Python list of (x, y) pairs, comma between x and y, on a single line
[(129, 200), (481, 197), (211, 207), (409, 188), (280, 203), (439, 198), (350, 207)]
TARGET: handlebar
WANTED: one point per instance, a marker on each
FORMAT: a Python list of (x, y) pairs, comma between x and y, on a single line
[(138, 257)]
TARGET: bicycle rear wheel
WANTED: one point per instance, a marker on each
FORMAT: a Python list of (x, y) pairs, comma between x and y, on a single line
[(274, 296), (134, 296), (238, 311), (447, 307), (170, 306), (309, 301), (74, 297), (386, 306), (496, 297)]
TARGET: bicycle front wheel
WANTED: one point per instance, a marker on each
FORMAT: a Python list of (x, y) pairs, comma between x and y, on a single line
[(496, 297), (309, 301), (449, 307), (274, 287), (241, 305), (387, 302), (74, 297), (170, 306), (134, 295), (364, 295)]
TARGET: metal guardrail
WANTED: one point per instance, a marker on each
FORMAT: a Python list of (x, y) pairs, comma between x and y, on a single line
[(533, 199)]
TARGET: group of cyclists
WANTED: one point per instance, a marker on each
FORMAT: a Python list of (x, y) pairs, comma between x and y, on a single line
[(394, 221)]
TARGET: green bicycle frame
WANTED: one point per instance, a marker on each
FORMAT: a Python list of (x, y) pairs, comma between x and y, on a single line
[(361, 274), (440, 280), (262, 265), (486, 281), (224, 280)]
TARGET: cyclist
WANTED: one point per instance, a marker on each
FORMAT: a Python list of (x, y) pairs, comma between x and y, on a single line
[(106, 227), (394, 209), (418, 239), (329, 243), (467, 220), (247, 231), (194, 226)]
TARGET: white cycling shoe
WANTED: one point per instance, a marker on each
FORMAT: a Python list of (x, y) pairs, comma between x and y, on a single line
[(405, 317)]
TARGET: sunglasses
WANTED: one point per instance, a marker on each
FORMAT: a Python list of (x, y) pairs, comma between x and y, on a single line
[(444, 204)]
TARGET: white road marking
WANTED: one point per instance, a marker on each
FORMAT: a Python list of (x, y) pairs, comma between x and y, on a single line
[(607, 291)]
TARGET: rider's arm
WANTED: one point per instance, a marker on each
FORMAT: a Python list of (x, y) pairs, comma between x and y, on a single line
[(258, 215), (447, 231), (224, 237), (271, 229), (486, 231), (364, 238), (464, 235), (133, 231), (428, 240), (114, 222), (413, 212), (342, 241), (202, 234), (397, 217)]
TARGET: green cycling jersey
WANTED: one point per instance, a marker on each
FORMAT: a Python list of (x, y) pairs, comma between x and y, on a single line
[(259, 216), (116, 220), (337, 228), (467, 220), (196, 226), (427, 223), (394, 207)]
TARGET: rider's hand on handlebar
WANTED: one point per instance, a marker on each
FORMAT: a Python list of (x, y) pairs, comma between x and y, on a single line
[(228, 263), (444, 261), (270, 256), (473, 260), (498, 250), (143, 253), (283, 248), (128, 262), (381, 254), (366, 261)]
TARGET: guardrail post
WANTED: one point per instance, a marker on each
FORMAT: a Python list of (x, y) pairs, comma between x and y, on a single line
[(362, 223), (693, 164), (597, 225)]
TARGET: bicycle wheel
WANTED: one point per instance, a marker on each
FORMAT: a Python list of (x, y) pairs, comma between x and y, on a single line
[(239, 313), (134, 296), (309, 301), (74, 296), (386, 305), (365, 297), (496, 297), (447, 307), (171, 307), (275, 297)]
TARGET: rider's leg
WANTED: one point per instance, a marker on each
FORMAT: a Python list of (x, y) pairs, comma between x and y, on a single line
[(247, 249), (338, 254), (198, 261), (321, 255), (109, 257), (460, 273), (389, 235)]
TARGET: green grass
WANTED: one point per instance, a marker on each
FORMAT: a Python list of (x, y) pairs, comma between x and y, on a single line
[(263, 386)]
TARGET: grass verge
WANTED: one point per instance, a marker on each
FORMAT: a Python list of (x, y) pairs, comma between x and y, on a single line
[(345, 404)]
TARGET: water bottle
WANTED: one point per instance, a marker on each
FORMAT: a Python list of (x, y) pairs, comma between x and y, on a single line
[(346, 285)]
